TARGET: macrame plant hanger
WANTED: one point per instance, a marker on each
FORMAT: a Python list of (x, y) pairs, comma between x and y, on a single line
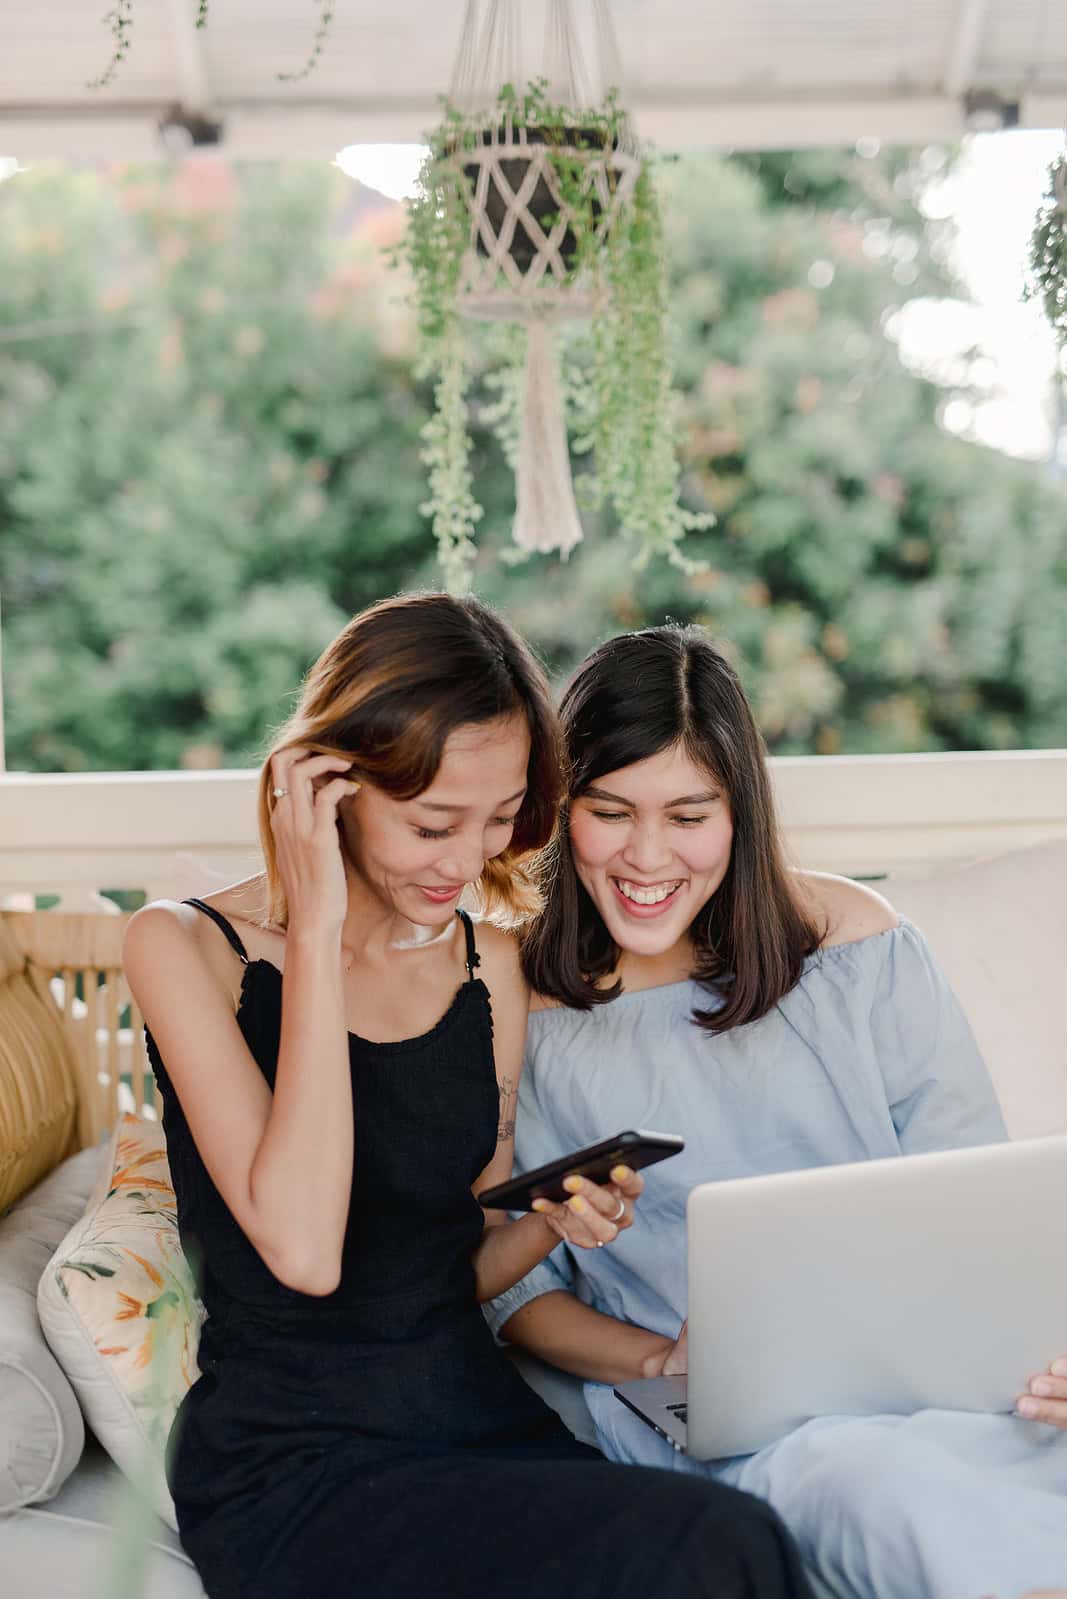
[(516, 267)]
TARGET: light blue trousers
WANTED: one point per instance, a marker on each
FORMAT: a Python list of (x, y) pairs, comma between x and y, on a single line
[(940, 1505)]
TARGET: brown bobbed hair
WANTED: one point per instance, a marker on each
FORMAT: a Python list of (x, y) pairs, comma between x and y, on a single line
[(387, 693), (630, 699)]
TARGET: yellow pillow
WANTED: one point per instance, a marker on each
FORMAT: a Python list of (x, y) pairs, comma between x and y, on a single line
[(38, 1078), (119, 1309)]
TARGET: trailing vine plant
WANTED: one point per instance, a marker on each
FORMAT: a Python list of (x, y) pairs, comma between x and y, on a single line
[(1048, 251), (318, 44), (631, 407), (618, 397), (120, 22), (434, 245)]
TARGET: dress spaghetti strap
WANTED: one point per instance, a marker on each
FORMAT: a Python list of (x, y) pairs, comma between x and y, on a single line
[(473, 957), (220, 921)]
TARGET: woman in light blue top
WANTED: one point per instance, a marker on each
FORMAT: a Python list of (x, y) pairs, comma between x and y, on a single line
[(686, 980)]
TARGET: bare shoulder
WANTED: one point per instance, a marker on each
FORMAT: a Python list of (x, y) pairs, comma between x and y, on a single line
[(162, 925), (501, 965), (503, 974), (162, 954), (848, 911), (167, 931), (501, 971)]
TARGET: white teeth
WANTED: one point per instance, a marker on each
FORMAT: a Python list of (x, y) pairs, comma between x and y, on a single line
[(646, 896)]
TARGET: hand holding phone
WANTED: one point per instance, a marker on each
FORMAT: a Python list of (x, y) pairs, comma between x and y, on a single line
[(594, 1213)]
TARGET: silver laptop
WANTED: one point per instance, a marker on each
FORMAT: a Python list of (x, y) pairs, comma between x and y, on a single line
[(883, 1287)]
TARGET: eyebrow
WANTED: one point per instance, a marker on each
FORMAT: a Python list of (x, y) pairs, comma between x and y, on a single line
[(432, 805), (617, 799)]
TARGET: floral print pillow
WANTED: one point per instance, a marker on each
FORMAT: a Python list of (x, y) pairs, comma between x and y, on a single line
[(119, 1308)]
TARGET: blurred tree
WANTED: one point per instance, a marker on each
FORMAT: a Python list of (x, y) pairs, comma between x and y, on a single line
[(882, 584), (208, 454), (209, 458)]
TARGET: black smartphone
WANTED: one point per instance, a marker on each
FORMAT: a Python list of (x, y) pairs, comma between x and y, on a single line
[(633, 1149)]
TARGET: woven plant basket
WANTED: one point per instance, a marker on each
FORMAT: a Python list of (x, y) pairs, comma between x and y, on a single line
[(522, 245)]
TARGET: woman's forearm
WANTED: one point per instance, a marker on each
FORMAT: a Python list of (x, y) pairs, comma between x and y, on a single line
[(507, 1251), (559, 1329), (301, 1178)]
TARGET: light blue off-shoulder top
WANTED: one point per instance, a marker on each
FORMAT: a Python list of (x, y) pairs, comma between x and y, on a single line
[(868, 1055)]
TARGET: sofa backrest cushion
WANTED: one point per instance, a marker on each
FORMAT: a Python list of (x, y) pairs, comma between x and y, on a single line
[(999, 930), (41, 1428), (38, 1078)]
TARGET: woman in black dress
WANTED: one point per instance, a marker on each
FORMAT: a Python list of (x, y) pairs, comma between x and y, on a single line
[(355, 1430)]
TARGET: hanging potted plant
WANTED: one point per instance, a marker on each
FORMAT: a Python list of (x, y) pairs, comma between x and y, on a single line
[(535, 211)]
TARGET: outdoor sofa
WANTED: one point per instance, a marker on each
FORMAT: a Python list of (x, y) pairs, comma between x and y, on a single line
[(998, 925)]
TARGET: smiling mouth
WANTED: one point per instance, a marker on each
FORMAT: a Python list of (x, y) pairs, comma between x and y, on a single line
[(647, 893)]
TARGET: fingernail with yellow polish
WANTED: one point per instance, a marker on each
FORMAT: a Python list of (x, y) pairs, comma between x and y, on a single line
[(621, 1174), (572, 1184), (578, 1204), (540, 1204)]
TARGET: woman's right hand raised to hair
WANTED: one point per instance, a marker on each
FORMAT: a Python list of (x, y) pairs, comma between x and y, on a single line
[(304, 823)]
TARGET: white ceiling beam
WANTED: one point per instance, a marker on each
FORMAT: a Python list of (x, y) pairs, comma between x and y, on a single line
[(190, 66), (964, 48), (270, 129)]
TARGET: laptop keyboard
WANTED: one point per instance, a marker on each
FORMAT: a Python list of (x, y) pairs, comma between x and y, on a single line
[(681, 1411)]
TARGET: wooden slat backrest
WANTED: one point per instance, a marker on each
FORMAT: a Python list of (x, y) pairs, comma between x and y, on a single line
[(84, 952)]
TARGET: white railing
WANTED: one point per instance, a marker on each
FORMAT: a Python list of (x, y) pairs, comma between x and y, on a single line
[(169, 834)]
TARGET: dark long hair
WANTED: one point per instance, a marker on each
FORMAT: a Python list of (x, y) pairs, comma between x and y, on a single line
[(632, 698), (387, 692)]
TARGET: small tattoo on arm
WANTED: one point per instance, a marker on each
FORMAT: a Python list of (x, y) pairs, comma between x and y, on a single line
[(506, 1129)]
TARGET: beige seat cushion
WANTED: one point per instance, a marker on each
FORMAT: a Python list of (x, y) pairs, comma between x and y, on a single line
[(999, 930), (68, 1549), (38, 1081)]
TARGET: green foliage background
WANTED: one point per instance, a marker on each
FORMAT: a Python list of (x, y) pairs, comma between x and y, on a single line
[(209, 436)]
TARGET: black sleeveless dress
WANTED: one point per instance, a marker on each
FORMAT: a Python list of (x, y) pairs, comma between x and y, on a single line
[(375, 1443)]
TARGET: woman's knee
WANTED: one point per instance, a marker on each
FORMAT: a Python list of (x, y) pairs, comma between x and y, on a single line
[(854, 1474)]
